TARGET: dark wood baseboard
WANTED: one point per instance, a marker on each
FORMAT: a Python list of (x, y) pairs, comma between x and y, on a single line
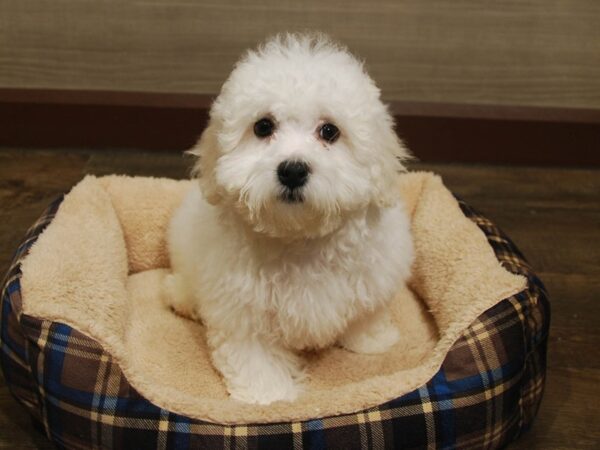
[(433, 132)]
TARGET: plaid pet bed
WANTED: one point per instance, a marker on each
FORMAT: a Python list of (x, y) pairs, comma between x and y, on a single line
[(485, 395)]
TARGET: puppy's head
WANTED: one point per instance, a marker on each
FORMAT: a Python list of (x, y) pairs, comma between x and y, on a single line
[(299, 139)]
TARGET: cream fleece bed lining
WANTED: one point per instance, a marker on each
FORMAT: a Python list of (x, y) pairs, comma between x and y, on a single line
[(99, 265)]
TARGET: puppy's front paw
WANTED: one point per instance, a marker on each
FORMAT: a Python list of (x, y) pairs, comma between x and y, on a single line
[(264, 389), (258, 372), (371, 335), (176, 296)]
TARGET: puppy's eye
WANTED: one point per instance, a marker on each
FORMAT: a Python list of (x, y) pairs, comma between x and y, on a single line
[(329, 132), (264, 128)]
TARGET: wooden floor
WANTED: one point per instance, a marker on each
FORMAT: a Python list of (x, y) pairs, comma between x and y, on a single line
[(552, 214)]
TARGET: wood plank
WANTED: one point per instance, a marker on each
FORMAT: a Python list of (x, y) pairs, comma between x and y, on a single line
[(553, 240), (148, 164), (535, 187), (551, 213), (534, 52), (575, 306), (28, 176), (16, 429), (29, 181), (575, 330), (568, 416)]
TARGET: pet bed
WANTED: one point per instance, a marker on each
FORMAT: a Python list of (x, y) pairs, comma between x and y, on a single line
[(88, 348)]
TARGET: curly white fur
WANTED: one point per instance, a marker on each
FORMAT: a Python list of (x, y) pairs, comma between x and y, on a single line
[(270, 278)]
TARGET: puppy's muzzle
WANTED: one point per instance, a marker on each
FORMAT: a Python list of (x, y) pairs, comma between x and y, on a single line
[(293, 175)]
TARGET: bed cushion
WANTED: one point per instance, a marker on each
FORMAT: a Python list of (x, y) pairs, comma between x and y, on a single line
[(90, 350)]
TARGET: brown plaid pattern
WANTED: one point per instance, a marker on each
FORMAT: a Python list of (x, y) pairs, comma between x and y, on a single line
[(485, 395)]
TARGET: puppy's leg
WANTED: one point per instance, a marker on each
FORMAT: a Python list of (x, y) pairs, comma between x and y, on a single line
[(177, 296), (372, 333), (256, 371)]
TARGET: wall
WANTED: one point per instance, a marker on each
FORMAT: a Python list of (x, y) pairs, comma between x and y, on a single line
[(533, 63), (533, 52)]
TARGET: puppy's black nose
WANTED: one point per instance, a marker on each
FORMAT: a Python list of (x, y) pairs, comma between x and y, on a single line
[(293, 174)]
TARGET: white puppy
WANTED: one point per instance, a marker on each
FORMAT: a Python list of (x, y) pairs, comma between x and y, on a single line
[(294, 237)]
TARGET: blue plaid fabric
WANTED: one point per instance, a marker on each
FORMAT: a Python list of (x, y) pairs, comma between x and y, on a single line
[(486, 393)]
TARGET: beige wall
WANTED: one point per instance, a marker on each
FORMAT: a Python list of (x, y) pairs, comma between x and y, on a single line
[(529, 52)]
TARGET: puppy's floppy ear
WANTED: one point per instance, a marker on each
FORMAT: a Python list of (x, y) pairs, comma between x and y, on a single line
[(392, 155), (207, 153)]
